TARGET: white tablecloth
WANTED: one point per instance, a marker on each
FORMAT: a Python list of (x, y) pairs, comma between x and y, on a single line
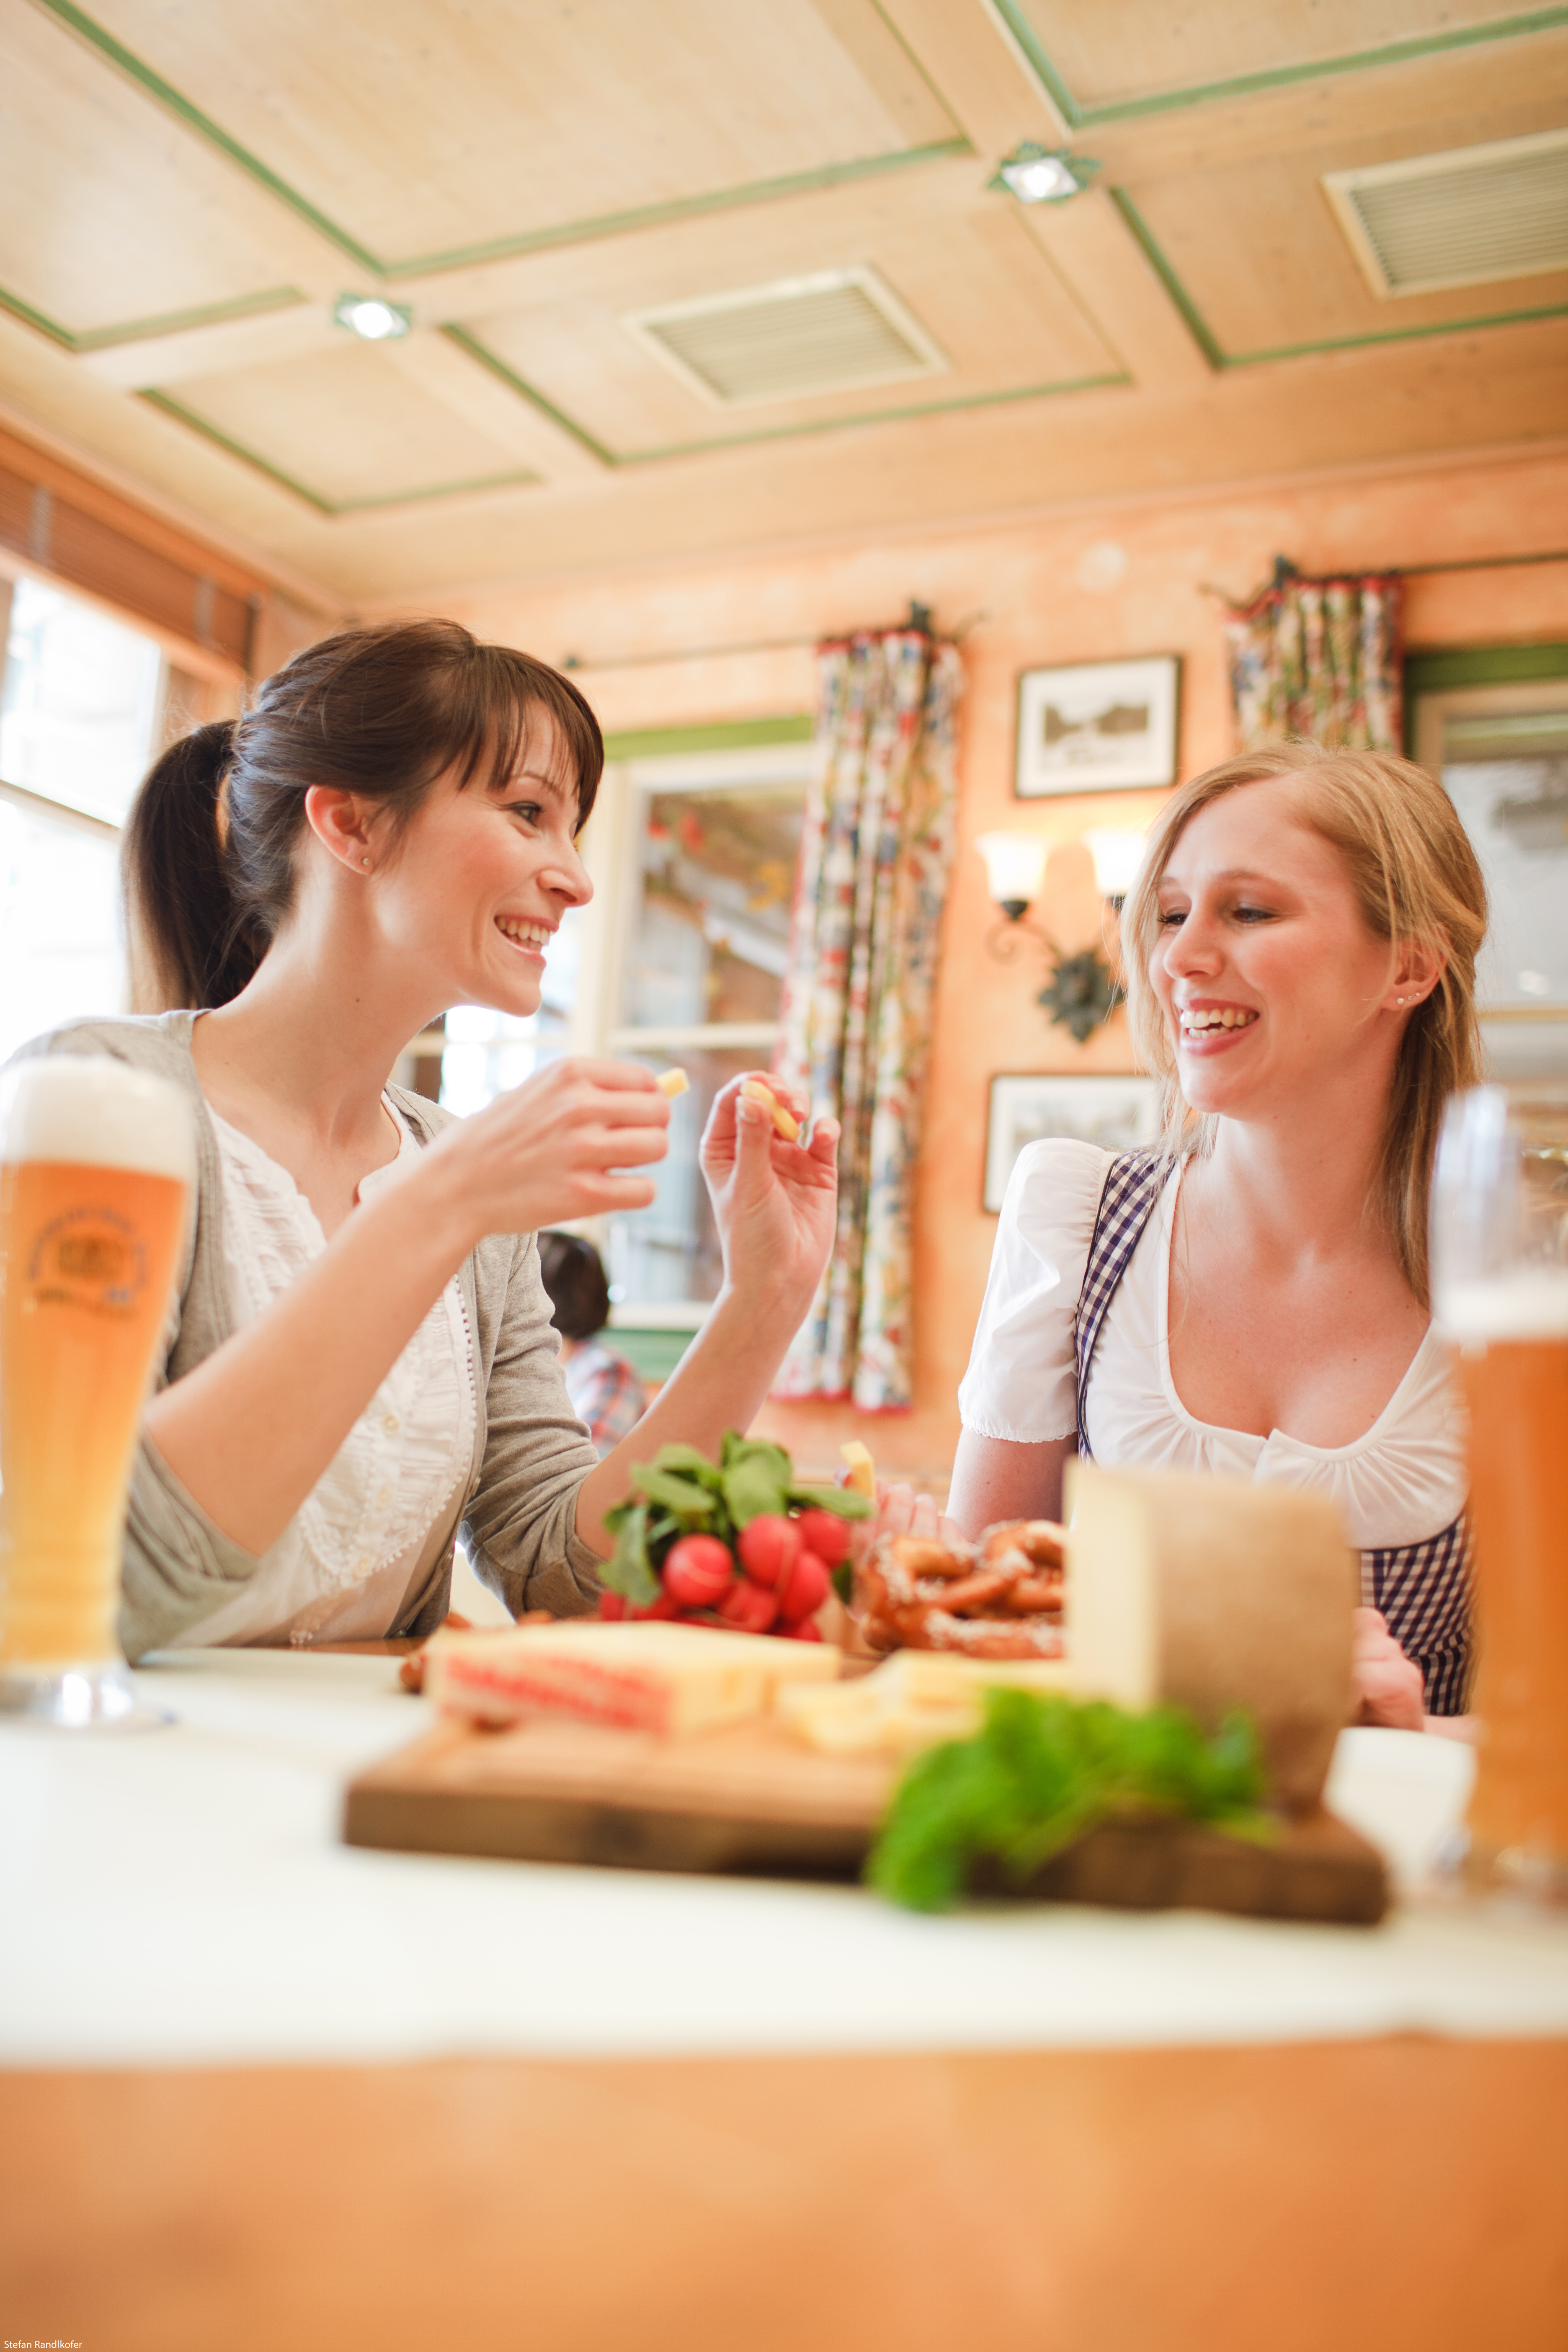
[(179, 1896)]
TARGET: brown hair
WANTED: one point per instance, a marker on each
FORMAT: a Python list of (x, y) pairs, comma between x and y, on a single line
[(1416, 878), (572, 1272), (209, 859)]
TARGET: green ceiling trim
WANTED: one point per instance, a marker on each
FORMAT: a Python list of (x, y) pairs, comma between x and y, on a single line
[(1219, 359), (724, 735), (526, 391), (1197, 326), (330, 507), (468, 342), (678, 208), (97, 37), (167, 322), (195, 423), (1391, 53), (501, 249)]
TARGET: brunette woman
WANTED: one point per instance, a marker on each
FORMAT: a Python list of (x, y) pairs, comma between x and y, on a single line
[(361, 1362), (1251, 1299)]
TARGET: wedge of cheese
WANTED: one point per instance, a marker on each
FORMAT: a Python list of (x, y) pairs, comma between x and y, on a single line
[(913, 1699), (673, 1680), (1210, 1594)]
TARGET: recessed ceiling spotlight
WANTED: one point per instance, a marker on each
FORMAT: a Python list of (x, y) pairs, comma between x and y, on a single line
[(368, 315), (1043, 175)]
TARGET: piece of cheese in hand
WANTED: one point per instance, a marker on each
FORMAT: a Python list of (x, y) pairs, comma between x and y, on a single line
[(651, 1676), (1210, 1595), (784, 1122), (862, 1470), (671, 1083)]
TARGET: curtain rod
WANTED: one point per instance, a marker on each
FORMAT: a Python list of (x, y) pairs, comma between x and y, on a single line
[(1284, 571), (919, 618)]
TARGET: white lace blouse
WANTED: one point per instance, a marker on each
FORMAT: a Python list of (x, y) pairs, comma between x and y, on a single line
[(343, 1567), (1402, 1481)]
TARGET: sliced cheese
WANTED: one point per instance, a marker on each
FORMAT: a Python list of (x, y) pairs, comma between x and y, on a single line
[(671, 1083), (784, 1121), (669, 1679), (913, 1699), (1211, 1595), (862, 1469)]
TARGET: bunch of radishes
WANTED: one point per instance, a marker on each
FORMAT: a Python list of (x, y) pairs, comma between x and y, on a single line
[(773, 1582), (736, 1542)]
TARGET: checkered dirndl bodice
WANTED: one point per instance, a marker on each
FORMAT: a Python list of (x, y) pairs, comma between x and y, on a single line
[(1422, 1589)]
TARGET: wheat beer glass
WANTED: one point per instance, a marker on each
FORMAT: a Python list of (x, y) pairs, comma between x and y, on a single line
[(97, 1166), (1500, 1236)]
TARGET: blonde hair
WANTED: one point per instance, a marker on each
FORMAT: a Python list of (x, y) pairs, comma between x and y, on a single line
[(1417, 879)]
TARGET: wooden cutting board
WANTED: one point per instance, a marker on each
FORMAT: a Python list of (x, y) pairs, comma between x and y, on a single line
[(752, 1800)]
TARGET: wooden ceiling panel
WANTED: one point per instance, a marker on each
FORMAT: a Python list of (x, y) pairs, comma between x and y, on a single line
[(417, 130), (345, 430), (1145, 50), (110, 215), (979, 285), (1255, 249)]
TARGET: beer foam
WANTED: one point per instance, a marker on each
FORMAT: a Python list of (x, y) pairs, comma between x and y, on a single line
[(89, 1110), (1531, 1303)]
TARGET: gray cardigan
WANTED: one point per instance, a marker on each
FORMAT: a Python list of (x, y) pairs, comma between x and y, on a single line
[(531, 1451)]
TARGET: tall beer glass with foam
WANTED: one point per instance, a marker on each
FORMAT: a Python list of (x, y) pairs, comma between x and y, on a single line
[(97, 1166), (1500, 1242)]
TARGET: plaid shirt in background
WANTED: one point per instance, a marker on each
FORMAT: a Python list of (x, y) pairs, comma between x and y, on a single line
[(605, 1392)]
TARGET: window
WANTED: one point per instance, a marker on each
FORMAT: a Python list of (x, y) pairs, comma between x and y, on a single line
[(485, 1052), (80, 702), (1501, 751), (710, 847)]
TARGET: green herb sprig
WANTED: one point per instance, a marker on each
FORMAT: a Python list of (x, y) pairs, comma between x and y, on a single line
[(1040, 1772), (681, 1493)]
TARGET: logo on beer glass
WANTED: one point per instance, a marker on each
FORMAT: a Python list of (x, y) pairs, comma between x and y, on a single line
[(93, 1259)]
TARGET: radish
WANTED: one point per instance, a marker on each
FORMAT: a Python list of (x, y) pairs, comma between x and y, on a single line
[(747, 1608), (807, 1629), (804, 1589), (612, 1605), (698, 1570), (769, 1547), (825, 1533)]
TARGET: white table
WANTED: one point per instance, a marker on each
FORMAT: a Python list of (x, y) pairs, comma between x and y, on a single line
[(177, 1907)]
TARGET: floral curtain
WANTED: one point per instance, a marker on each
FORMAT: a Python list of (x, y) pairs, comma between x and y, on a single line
[(874, 860), (1319, 658)]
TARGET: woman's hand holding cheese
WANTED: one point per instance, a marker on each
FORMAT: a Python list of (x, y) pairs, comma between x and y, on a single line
[(554, 1149)]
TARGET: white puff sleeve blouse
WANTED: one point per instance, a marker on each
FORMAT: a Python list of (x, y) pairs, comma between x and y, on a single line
[(1401, 1482)]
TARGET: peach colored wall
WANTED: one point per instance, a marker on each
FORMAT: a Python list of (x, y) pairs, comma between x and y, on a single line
[(1067, 587)]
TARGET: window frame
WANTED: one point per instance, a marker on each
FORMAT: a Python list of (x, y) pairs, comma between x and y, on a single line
[(611, 845)]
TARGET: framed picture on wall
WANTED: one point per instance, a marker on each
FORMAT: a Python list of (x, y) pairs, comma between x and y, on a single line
[(1098, 726), (1116, 1113)]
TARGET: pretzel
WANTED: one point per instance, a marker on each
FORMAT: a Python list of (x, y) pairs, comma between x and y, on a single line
[(924, 1557), (1000, 1599), (1033, 1596), (1038, 1543)]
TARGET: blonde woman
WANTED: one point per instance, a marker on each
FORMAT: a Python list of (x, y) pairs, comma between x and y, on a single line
[(1252, 1299)]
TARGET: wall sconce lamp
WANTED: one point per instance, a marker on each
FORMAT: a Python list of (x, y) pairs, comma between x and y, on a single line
[(1082, 991)]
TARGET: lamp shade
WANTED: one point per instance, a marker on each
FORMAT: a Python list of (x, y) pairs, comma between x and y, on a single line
[(1117, 857), (1014, 866)]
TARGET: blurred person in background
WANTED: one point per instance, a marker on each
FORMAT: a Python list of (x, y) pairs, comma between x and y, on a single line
[(603, 1387)]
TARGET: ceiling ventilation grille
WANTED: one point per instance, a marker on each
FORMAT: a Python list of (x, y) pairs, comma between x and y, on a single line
[(802, 335), (1463, 218)]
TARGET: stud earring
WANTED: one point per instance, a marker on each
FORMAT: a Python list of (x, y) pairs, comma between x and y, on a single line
[(365, 863)]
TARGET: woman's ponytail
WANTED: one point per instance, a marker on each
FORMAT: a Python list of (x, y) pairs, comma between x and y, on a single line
[(186, 928)]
